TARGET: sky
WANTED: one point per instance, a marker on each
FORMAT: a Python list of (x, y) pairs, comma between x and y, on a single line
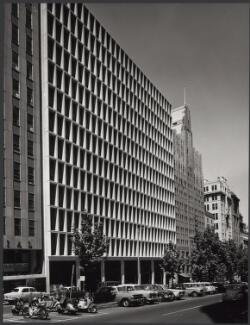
[(205, 49)]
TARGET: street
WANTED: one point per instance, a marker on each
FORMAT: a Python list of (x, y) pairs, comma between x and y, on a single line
[(208, 309)]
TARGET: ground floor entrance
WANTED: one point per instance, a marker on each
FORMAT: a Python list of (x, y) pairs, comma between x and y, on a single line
[(117, 271)]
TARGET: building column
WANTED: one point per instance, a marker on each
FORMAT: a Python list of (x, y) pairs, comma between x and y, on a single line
[(122, 272), (102, 271), (139, 270), (164, 277), (152, 272), (78, 273), (46, 270)]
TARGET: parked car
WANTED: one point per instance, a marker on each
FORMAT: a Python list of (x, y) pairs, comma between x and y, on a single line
[(178, 292), (150, 295), (105, 294), (164, 293), (235, 292), (128, 295), (210, 289), (194, 289), (220, 286), (21, 293)]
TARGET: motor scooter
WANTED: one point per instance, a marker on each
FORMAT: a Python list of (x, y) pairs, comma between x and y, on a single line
[(52, 304), (66, 306), (87, 305), (35, 309)]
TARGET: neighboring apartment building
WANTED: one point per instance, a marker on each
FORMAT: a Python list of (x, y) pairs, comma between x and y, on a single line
[(107, 149), (243, 233), (209, 220), (188, 182), (23, 226), (224, 204)]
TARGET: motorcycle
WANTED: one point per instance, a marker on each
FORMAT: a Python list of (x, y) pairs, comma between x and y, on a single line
[(66, 306), (87, 305), (35, 309), (18, 307)]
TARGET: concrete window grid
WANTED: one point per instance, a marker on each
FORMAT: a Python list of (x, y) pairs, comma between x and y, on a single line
[(89, 146), (20, 135)]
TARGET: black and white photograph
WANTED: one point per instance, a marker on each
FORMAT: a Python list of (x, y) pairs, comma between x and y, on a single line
[(125, 132)]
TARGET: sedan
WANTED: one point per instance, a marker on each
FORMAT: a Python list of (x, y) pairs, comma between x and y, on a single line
[(164, 294), (178, 293), (21, 292)]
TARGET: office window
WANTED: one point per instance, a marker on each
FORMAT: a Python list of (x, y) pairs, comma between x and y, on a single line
[(14, 9), (31, 205), (15, 60), (17, 225), (28, 18), (16, 116), (17, 200), (15, 88), (16, 142), (31, 228), (15, 34), (28, 44), (16, 171), (31, 175), (29, 70), (30, 148), (30, 125), (29, 96)]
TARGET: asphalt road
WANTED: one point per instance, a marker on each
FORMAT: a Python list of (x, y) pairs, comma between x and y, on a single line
[(208, 309)]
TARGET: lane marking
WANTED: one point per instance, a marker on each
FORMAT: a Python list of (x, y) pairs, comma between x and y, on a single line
[(178, 311), (77, 317)]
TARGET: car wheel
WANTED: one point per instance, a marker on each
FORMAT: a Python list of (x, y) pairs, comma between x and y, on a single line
[(194, 294), (92, 309), (125, 303), (43, 314)]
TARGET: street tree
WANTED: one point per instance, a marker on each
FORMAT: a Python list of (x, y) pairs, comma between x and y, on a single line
[(171, 262), (230, 258), (242, 268), (206, 257), (90, 244)]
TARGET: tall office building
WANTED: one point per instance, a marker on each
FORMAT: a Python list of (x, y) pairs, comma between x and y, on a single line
[(23, 226), (84, 130), (224, 204), (189, 200), (107, 149)]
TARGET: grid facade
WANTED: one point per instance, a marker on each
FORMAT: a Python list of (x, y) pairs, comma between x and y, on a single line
[(109, 139), (23, 235)]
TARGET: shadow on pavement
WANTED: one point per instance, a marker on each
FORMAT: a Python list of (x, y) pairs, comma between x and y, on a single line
[(227, 312)]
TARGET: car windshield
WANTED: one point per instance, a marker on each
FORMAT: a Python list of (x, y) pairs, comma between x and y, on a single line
[(130, 288), (147, 287), (139, 288), (15, 290)]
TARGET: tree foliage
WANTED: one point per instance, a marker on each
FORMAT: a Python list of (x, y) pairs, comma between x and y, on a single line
[(171, 262), (212, 258), (206, 255), (89, 242), (242, 268)]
